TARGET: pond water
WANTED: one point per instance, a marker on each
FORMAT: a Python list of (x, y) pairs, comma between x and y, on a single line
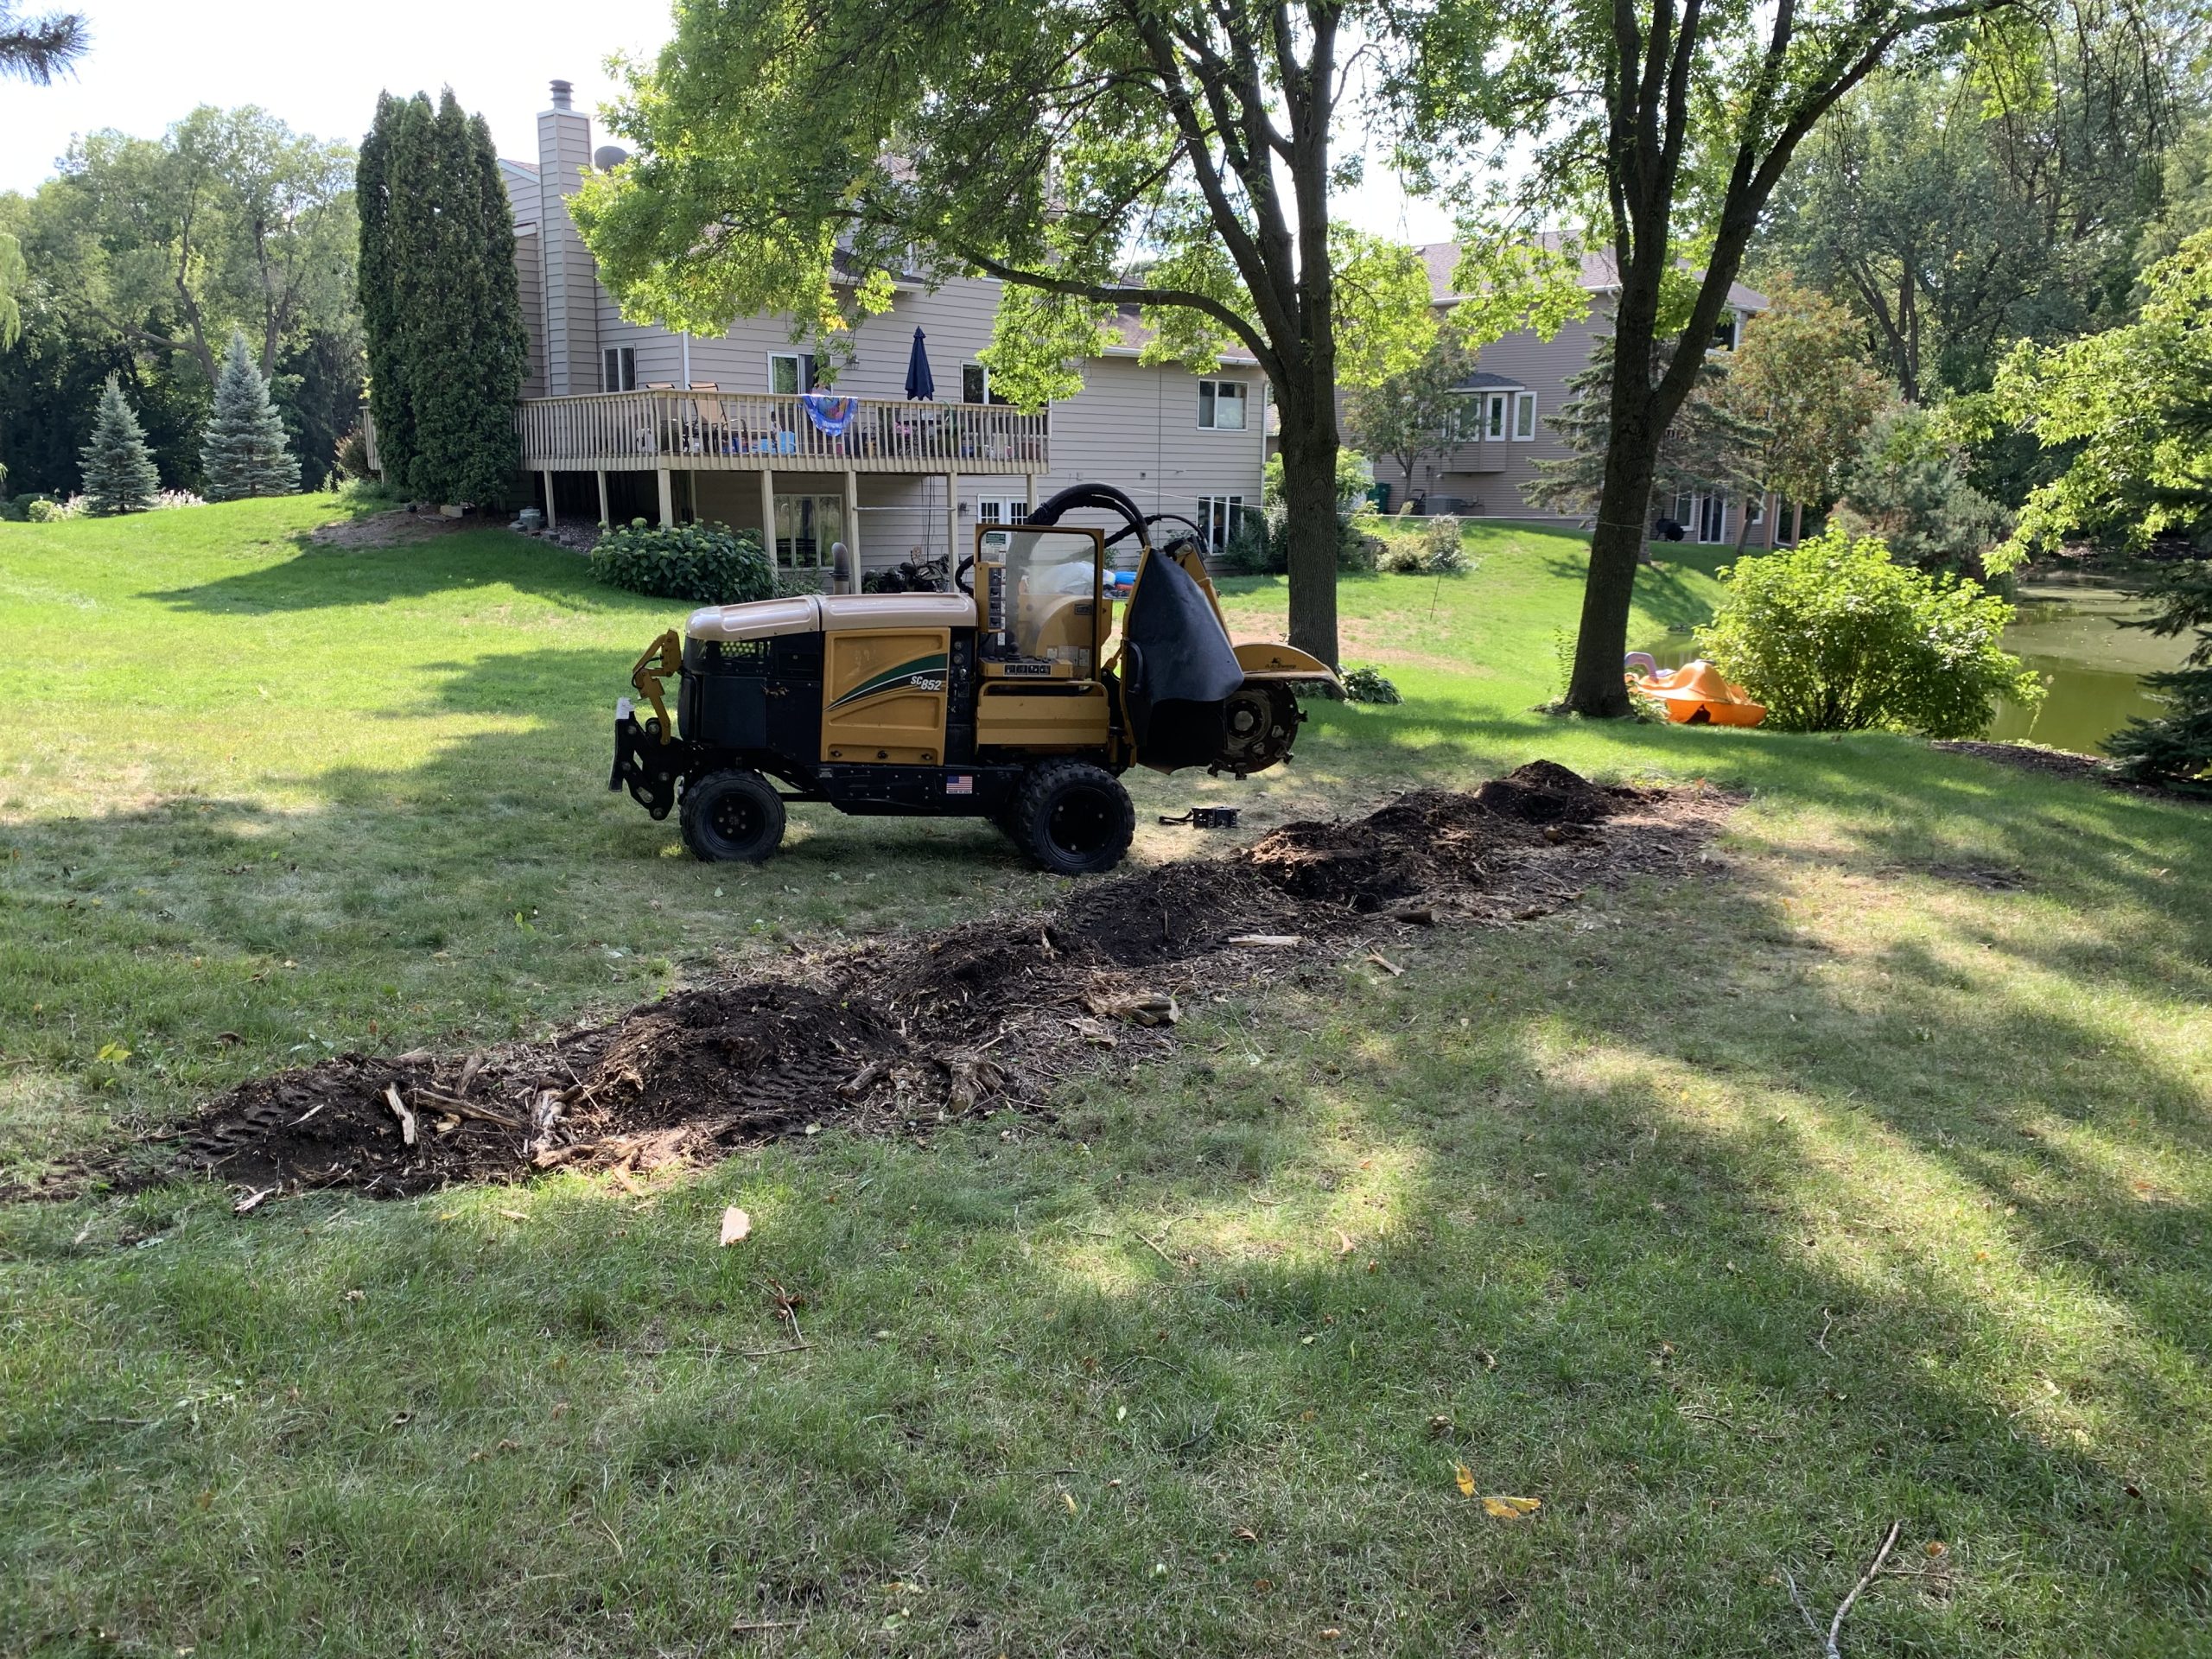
[(2067, 631)]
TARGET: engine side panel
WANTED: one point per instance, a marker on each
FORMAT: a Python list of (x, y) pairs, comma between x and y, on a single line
[(883, 693)]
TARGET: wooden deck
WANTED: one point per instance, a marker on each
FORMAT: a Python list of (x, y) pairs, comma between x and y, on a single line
[(761, 432)]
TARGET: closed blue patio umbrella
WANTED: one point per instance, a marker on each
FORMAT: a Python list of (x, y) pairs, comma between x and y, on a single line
[(921, 383)]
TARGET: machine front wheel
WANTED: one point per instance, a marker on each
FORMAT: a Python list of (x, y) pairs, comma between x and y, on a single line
[(1072, 818), (732, 818)]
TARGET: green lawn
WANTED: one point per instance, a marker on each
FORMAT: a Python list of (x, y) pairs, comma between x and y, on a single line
[(1862, 1178)]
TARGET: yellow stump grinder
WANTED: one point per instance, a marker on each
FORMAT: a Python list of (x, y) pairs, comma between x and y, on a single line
[(1013, 699)]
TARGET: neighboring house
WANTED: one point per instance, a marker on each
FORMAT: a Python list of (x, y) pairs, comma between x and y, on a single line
[(621, 419), (1521, 379)]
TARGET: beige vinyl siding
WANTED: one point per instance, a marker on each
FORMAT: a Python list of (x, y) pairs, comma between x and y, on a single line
[(530, 281), (573, 296)]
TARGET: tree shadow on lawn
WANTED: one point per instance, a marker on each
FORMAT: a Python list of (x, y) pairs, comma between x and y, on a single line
[(1044, 1358), (322, 577), (1663, 594)]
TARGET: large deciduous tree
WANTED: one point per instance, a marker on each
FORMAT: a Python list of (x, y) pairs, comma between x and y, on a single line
[(1799, 375), (440, 308), (1671, 123), (229, 221), (2131, 408), (1411, 415), (1172, 156), (1960, 204)]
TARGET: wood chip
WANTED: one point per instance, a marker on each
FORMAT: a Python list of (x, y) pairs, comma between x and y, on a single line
[(511, 1215), (1385, 963), (468, 1071), (1419, 915), (252, 1201), (1276, 941), (736, 1226), (414, 1056), (406, 1117)]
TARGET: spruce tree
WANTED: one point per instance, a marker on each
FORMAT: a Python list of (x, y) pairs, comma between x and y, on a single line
[(1705, 448), (119, 474), (244, 452)]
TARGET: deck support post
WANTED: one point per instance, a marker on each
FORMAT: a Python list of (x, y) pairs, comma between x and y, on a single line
[(604, 516), (547, 474), (667, 498), (952, 521), (768, 515), (853, 529)]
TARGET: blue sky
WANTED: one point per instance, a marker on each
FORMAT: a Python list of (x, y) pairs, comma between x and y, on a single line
[(320, 66)]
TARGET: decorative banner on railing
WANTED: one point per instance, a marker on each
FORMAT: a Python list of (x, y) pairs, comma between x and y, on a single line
[(832, 416)]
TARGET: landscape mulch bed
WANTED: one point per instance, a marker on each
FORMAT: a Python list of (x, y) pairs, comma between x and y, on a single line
[(2065, 763), (900, 1036)]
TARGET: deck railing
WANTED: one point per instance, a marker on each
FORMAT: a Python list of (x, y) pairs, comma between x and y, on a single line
[(776, 431)]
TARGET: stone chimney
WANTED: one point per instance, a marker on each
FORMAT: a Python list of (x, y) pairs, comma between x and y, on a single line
[(571, 274)]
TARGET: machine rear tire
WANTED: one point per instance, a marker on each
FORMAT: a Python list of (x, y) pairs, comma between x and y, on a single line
[(732, 818), (1072, 819)]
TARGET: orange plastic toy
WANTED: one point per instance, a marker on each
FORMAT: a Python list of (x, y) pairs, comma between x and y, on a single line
[(1695, 694)]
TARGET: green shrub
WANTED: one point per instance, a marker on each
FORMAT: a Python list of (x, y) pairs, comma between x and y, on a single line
[(1439, 546), (1368, 685), (708, 564), (1402, 556), (1836, 636), (41, 510), (1253, 549)]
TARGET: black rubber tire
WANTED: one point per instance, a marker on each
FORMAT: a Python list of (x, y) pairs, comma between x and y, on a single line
[(732, 818), (1072, 819)]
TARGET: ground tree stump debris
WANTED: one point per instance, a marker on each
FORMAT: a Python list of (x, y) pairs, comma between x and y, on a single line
[(899, 1036)]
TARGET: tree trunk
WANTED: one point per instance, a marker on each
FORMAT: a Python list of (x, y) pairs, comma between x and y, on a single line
[(1796, 523), (1744, 523), (1598, 687), (1309, 491)]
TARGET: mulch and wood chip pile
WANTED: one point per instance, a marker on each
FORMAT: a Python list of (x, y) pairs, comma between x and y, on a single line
[(900, 1036)]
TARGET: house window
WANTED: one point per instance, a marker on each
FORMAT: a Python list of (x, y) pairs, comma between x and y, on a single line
[(975, 385), (790, 372), (1002, 510), (1705, 516), (1218, 517), (1524, 417), (1221, 405), (619, 369), (805, 526)]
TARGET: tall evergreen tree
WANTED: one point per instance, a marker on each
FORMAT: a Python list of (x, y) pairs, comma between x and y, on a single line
[(381, 273), (440, 301), (119, 475), (244, 451), (1704, 450)]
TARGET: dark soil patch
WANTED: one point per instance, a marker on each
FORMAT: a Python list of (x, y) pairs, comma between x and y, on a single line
[(2065, 763), (904, 1036)]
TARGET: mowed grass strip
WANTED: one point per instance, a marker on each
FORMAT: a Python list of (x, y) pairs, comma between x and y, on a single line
[(1860, 1176)]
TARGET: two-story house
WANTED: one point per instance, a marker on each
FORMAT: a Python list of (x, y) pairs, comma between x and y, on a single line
[(621, 419), (1521, 378)]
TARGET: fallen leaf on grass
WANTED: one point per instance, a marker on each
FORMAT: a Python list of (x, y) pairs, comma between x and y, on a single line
[(736, 1225), (511, 1215), (1465, 1477), (1512, 1508), (1069, 1501), (1345, 1246)]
